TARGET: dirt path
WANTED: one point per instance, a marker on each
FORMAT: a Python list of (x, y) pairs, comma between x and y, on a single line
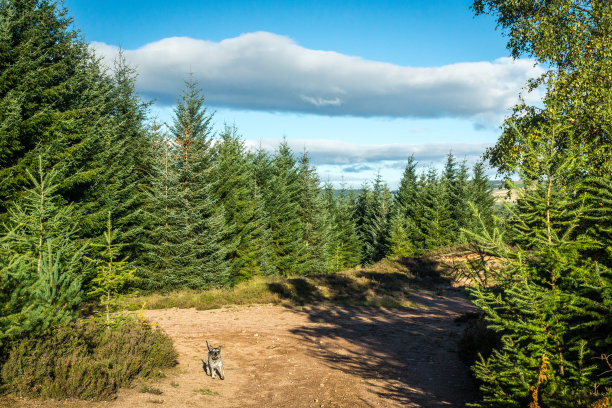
[(312, 356)]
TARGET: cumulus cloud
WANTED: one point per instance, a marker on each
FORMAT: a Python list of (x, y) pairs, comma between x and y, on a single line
[(265, 71), (358, 157)]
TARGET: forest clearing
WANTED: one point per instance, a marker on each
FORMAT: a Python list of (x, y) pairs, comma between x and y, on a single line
[(318, 354)]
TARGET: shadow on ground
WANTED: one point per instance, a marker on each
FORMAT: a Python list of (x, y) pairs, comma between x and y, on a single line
[(407, 355), (388, 284)]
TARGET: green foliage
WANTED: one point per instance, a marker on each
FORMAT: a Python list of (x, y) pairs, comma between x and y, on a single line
[(83, 360), (281, 194), (234, 186), (436, 224), (41, 261), (187, 229), (112, 273), (404, 231), (122, 165), (344, 247), (573, 39), (479, 194), (373, 211), (551, 302), (315, 219)]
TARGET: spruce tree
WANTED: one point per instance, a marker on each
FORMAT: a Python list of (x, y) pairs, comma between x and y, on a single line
[(403, 232), (451, 196), (281, 194), (161, 205), (344, 248), (234, 187), (54, 101), (436, 224), (124, 164), (41, 260), (315, 219), (373, 221), (112, 272), (479, 193), (551, 301), (188, 226)]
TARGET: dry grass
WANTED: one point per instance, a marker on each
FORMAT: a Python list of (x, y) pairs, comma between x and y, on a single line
[(385, 284), (254, 291)]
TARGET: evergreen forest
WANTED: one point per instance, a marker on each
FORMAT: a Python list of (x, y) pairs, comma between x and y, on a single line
[(99, 199)]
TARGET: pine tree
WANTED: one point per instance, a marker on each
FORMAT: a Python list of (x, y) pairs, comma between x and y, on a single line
[(112, 272), (200, 256), (403, 226), (281, 191), (162, 202), (187, 225), (453, 182), (316, 221), (124, 164), (373, 221), (436, 223), (54, 101), (344, 248), (41, 261), (479, 193), (234, 187), (551, 300)]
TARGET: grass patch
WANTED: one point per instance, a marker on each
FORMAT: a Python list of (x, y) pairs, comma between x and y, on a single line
[(150, 390), (254, 291), (385, 284), (85, 360), (205, 391)]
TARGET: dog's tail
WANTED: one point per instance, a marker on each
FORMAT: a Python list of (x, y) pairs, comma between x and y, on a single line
[(207, 346)]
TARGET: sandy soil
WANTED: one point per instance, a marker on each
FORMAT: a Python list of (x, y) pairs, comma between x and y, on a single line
[(310, 356)]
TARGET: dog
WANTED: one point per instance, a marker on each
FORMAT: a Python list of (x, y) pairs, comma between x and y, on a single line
[(214, 362)]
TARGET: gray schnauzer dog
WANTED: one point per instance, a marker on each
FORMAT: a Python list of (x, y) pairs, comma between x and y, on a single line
[(214, 362)]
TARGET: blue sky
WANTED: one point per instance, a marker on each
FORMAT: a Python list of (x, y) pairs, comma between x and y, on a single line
[(360, 85)]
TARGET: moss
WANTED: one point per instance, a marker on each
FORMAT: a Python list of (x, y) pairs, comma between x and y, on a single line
[(87, 361)]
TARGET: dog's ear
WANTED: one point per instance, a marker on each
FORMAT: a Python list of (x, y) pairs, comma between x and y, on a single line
[(220, 347), (207, 346)]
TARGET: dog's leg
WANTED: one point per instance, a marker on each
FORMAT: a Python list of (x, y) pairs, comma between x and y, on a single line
[(205, 366), (221, 372)]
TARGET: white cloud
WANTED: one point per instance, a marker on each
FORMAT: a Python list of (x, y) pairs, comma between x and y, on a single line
[(265, 71), (356, 157)]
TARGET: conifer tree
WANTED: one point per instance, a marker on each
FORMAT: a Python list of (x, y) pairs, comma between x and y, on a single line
[(344, 247), (479, 193), (54, 101), (373, 221), (161, 205), (41, 261), (124, 164), (281, 194), (192, 239), (234, 187), (403, 226), (552, 300), (436, 224), (112, 272), (315, 219), (451, 196)]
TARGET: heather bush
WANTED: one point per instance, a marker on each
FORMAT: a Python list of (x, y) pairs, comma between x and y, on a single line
[(84, 360)]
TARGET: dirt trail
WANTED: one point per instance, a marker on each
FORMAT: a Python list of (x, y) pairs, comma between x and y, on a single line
[(312, 356)]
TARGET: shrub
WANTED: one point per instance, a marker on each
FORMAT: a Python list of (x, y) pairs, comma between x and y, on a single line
[(86, 361)]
